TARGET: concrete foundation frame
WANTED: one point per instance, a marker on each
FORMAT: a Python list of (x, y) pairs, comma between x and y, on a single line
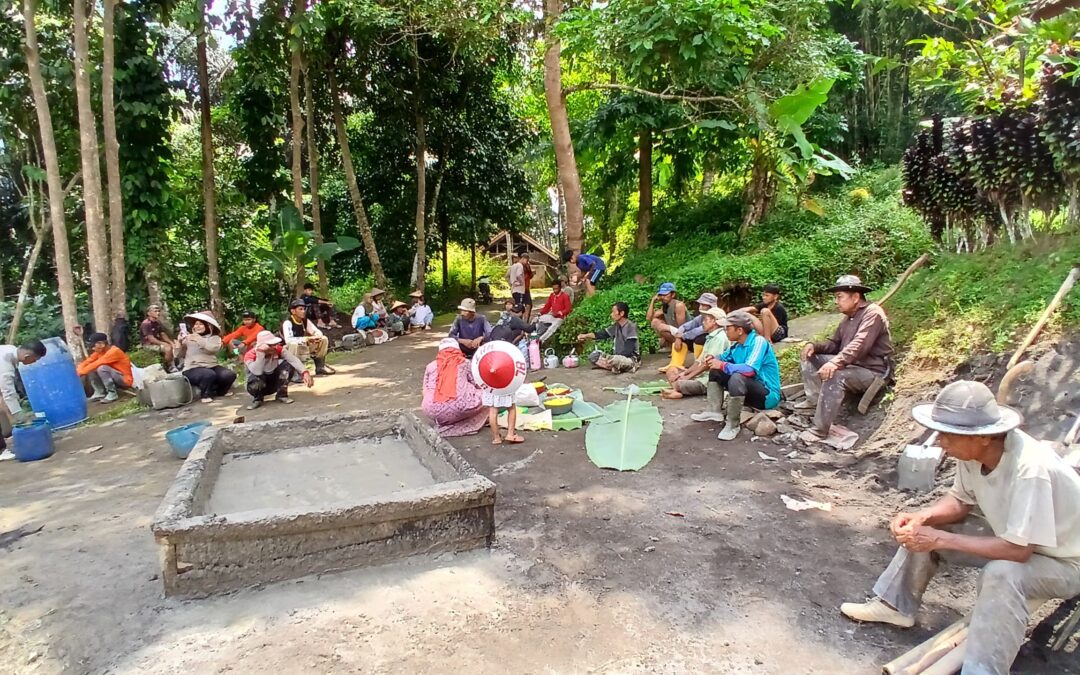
[(264, 502)]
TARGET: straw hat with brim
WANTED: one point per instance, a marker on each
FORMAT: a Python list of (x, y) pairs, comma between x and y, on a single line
[(467, 305), (968, 409), (849, 282), (206, 318), (265, 337), (376, 292), (416, 294), (397, 303)]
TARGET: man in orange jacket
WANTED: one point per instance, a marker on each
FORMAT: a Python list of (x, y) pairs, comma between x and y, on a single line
[(244, 336), (106, 368)]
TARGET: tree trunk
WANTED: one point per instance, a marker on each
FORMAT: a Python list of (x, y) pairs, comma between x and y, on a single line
[(645, 199), (297, 135), (217, 304), (97, 243), (760, 191), (472, 249), (153, 289), (61, 252), (444, 230), (112, 161), (37, 224), (708, 179), (421, 173), (614, 219), (569, 179), (354, 189), (313, 183)]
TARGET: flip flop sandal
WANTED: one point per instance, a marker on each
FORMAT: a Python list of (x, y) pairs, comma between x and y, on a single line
[(327, 370), (515, 439), (498, 442)]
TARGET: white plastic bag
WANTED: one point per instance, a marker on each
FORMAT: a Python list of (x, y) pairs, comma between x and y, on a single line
[(526, 395)]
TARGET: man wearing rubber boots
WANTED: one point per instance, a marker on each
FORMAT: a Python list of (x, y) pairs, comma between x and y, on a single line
[(1028, 545), (856, 356), (748, 372)]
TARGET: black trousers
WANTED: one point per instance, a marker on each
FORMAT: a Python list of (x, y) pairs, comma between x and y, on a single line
[(210, 382), (740, 385), (700, 340), (276, 382)]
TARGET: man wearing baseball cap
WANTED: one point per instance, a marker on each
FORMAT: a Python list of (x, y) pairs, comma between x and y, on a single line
[(859, 352), (1029, 543), (666, 320), (469, 328), (747, 372), (270, 367), (693, 381)]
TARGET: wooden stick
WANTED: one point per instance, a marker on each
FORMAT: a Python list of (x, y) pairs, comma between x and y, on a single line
[(1070, 437), (923, 259), (949, 663), (1066, 286), (902, 664), (1017, 371)]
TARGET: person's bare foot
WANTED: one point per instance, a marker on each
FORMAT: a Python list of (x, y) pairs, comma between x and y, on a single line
[(515, 439), (670, 394), (496, 440)]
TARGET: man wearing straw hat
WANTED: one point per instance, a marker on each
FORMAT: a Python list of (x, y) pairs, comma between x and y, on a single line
[(1031, 501), (469, 328), (851, 360)]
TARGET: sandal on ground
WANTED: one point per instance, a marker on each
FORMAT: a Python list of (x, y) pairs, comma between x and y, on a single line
[(497, 441), (206, 399), (284, 399), (326, 370), (515, 439), (254, 404)]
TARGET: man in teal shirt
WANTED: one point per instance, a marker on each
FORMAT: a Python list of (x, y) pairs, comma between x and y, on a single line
[(747, 371)]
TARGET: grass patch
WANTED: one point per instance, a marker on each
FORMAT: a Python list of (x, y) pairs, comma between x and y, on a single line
[(985, 301), (122, 408)]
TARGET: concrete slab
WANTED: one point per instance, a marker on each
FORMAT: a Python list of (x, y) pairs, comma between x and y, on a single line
[(256, 503)]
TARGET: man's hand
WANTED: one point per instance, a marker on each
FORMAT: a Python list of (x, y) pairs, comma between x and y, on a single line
[(583, 337), (827, 371), (808, 351), (309, 381), (920, 538), (717, 364), (903, 521), (678, 344)]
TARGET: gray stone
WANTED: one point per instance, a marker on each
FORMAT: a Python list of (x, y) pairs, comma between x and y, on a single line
[(765, 428)]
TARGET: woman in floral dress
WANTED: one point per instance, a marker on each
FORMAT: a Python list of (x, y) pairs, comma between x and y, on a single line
[(451, 399)]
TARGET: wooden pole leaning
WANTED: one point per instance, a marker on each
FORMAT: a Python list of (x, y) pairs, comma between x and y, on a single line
[(1066, 286)]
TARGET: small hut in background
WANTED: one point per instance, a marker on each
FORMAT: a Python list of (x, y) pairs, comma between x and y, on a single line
[(544, 261)]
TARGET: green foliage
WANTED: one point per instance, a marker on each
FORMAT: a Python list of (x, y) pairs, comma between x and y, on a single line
[(693, 219), (802, 252), (460, 277), (295, 250), (348, 295), (985, 300)]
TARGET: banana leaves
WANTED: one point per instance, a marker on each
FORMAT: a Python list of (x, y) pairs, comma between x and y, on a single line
[(627, 437)]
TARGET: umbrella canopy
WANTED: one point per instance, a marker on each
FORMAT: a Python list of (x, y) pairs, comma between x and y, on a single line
[(499, 367)]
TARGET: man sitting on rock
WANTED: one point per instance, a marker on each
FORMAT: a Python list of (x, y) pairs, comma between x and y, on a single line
[(666, 320), (554, 312), (858, 353), (303, 338), (625, 334), (1029, 543), (747, 371), (770, 315), (689, 381)]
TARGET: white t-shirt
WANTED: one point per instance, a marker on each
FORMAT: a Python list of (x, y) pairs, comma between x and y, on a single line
[(516, 277), (1032, 497)]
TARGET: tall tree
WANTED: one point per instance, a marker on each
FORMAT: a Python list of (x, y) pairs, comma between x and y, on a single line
[(61, 253), (421, 168), (297, 114), (645, 197), (569, 180), (313, 181), (112, 160), (359, 211), (97, 244), (217, 304)]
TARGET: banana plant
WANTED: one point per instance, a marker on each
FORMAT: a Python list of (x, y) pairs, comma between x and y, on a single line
[(294, 251)]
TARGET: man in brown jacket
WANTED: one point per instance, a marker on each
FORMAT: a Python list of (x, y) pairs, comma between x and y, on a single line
[(858, 352)]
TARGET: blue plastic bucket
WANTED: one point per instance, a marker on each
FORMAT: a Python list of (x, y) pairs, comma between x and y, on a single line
[(53, 386), (32, 441), (183, 439)]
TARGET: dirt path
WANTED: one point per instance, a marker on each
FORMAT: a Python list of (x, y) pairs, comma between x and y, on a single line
[(590, 571)]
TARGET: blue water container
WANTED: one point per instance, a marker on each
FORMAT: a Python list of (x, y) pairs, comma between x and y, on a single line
[(182, 440), (53, 386), (32, 441)]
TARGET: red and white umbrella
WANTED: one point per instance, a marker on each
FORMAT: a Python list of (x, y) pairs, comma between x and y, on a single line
[(499, 367)]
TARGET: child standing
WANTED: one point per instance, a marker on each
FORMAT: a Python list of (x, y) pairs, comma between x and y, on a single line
[(496, 403)]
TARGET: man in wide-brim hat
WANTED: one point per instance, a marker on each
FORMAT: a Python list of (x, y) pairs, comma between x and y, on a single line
[(859, 352), (469, 328), (1029, 544)]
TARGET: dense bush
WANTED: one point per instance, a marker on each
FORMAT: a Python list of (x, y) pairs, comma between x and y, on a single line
[(683, 221), (800, 251)]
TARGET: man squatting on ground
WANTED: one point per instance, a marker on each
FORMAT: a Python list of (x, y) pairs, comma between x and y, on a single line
[(1030, 498), (10, 358), (666, 321), (858, 352), (302, 337), (624, 332), (748, 372), (270, 367), (554, 312)]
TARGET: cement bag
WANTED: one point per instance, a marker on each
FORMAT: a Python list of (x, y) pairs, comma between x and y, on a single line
[(171, 392), (526, 395)]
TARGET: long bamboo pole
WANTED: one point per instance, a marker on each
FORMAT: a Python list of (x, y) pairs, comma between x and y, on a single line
[(923, 259), (1066, 286), (902, 664)]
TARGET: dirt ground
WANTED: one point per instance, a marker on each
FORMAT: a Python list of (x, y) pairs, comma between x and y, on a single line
[(691, 565)]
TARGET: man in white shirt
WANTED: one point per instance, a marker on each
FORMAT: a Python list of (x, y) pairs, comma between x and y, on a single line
[(10, 358), (420, 315), (515, 276), (1031, 501), (303, 338)]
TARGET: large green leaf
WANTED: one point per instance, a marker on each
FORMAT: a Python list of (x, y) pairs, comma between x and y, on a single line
[(799, 105), (626, 439)]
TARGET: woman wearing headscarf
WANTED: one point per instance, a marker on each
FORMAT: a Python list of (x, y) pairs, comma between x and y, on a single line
[(451, 399), (199, 349)]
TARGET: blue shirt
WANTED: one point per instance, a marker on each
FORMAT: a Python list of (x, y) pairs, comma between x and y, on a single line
[(757, 353), (585, 262)]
